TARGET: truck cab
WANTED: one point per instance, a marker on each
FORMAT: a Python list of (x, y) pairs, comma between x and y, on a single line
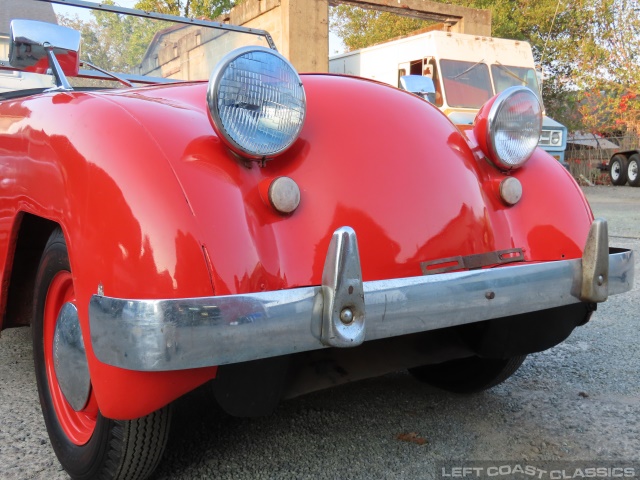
[(467, 70)]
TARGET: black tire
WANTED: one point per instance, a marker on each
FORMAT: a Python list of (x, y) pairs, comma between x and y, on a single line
[(468, 375), (618, 169), (113, 449), (633, 173)]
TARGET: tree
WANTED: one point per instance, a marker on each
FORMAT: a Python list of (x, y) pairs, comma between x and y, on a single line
[(114, 42), (519, 20), (209, 9), (360, 28), (589, 51), (607, 66)]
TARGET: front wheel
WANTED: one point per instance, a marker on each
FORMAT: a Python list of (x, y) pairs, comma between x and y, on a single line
[(88, 445), (632, 170), (618, 169), (468, 375)]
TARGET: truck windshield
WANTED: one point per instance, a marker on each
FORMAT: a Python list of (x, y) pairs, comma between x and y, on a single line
[(141, 47), (466, 84), (505, 76)]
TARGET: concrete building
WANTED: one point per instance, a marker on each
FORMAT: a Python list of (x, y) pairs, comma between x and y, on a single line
[(189, 52)]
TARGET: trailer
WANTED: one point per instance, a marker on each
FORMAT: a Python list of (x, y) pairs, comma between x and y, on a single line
[(466, 70), (623, 168)]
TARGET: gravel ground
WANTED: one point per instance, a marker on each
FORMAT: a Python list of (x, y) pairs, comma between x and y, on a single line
[(578, 402)]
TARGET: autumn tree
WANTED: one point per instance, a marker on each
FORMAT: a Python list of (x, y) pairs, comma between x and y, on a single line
[(606, 60), (589, 51)]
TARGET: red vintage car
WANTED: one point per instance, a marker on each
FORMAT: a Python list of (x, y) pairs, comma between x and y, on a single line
[(190, 209)]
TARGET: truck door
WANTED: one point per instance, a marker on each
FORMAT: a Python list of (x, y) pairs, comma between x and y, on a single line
[(403, 69)]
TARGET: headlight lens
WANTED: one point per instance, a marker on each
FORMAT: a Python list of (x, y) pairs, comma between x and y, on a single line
[(513, 127), (257, 102), (556, 138)]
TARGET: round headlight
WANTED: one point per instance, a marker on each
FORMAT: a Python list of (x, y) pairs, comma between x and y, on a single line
[(513, 125), (556, 138), (257, 102)]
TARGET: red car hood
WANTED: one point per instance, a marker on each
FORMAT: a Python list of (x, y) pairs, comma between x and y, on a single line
[(372, 157)]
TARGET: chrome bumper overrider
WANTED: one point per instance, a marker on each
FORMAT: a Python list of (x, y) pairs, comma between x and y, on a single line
[(174, 334)]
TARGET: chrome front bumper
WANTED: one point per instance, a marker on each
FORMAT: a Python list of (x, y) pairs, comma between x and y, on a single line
[(176, 334)]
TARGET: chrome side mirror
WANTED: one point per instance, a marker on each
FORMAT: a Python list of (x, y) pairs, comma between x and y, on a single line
[(419, 85), (37, 46)]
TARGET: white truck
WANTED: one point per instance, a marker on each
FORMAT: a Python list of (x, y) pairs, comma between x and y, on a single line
[(466, 70)]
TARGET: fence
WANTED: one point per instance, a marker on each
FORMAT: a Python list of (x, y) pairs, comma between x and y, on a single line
[(588, 157)]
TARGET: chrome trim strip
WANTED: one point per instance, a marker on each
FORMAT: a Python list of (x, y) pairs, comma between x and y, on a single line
[(175, 334), (472, 262)]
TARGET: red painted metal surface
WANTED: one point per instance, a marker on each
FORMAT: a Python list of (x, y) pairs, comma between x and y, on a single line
[(153, 206)]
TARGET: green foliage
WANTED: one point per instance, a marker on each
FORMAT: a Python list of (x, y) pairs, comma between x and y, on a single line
[(166, 7), (519, 20), (114, 42), (607, 65), (360, 28), (209, 9)]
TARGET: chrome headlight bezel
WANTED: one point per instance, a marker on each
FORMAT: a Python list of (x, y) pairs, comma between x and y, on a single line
[(254, 117), (505, 149)]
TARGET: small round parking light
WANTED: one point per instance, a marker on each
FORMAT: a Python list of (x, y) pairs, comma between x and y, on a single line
[(284, 195), (510, 190)]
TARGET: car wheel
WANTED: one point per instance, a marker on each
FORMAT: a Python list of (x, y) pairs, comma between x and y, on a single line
[(88, 445), (618, 170), (632, 170), (468, 375)]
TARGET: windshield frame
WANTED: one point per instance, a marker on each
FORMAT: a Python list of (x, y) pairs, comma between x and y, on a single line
[(161, 16), (144, 79)]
